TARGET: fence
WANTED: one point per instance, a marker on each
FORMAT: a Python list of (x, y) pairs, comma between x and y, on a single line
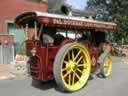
[(6, 54)]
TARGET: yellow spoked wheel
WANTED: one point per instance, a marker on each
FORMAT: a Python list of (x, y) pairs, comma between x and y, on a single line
[(72, 67), (106, 65)]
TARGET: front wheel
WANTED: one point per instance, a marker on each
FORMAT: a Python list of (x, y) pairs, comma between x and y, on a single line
[(72, 67)]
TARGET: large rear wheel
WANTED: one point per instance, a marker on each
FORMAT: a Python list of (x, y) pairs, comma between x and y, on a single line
[(72, 67)]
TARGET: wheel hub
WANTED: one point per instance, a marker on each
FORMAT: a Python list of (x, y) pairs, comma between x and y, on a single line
[(72, 66)]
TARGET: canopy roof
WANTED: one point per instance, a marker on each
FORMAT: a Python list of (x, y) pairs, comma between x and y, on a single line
[(61, 21)]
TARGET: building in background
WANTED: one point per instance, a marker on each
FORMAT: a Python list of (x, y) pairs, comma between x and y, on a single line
[(10, 8)]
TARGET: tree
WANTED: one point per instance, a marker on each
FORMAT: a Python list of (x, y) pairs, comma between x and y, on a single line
[(112, 10)]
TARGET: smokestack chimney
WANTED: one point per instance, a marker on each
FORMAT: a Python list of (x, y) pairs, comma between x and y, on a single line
[(66, 10)]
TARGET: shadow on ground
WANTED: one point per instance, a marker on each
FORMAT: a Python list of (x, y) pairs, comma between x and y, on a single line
[(43, 85), (46, 85)]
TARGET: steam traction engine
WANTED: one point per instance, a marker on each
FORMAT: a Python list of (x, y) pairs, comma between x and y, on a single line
[(65, 48)]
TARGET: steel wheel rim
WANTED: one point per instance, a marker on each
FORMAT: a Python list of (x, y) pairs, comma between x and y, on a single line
[(107, 66), (75, 68)]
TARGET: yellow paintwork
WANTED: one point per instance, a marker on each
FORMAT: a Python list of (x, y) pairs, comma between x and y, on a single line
[(107, 66), (75, 67)]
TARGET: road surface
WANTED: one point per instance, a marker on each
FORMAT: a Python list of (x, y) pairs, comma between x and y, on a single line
[(115, 85)]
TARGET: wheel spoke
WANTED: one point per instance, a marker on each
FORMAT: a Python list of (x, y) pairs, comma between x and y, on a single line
[(69, 79), (106, 65), (80, 65), (73, 55), (77, 75), (67, 74), (79, 70), (107, 61), (69, 56), (64, 69), (66, 62), (73, 78), (79, 60), (77, 55)]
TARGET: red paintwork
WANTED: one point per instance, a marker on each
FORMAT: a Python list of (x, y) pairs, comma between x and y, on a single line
[(41, 53), (94, 54), (45, 20), (52, 53), (44, 73), (46, 55), (29, 44)]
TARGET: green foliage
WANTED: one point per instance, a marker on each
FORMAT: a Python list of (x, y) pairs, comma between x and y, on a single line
[(126, 40), (114, 11), (122, 31)]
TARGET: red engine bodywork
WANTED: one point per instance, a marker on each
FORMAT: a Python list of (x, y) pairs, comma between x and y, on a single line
[(42, 69), (41, 64)]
